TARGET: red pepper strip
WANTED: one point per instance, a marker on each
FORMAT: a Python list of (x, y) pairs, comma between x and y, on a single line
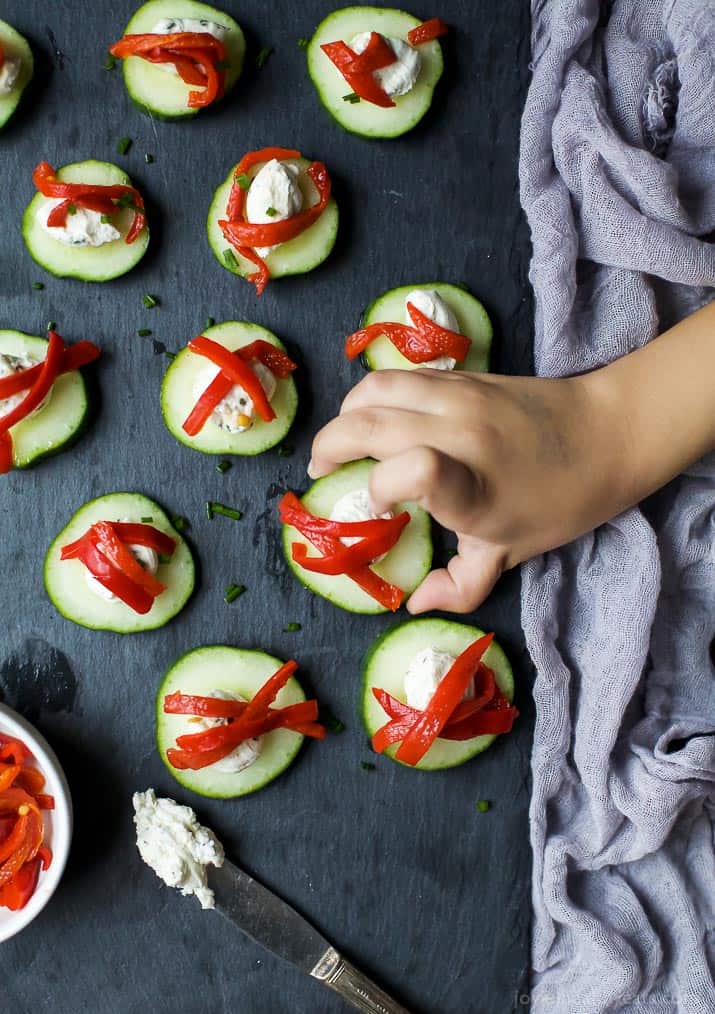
[(362, 553), (444, 700), (130, 593), (489, 721), (29, 779), (58, 215), (6, 826), (427, 31), (183, 759), (15, 894), (87, 195), (44, 854), (201, 49), (444, 342), (186, 68), (206, 707), (274, 718), (214, 79), (234, 369), (294, 513), (275, 359), (8, 774), (44, 801), (13, 750), (138, 45), (108, 542), (74, 358), (249, 234), (325, 526), (27, 843), (48, 373), (358, 68), (237, 197), (130, 533), (420, 344)]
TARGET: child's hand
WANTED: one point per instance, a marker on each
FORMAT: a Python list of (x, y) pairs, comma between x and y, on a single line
[(513, 465)]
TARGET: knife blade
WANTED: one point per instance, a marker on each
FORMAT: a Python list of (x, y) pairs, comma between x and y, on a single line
[(271, 922)]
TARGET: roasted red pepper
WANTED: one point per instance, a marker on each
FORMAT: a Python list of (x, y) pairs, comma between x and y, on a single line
[(244, 236), (325, 536), (358, 68), (243, 720), (232, 365), (427, 31), (104, 551), (448, 715), (360, 554), (197, 56), (22, 853), (421, 343), (105, 199)]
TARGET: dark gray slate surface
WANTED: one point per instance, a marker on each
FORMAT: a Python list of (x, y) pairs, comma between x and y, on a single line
[(397, 868)]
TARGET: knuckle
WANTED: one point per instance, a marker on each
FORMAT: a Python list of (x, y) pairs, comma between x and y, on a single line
[(366, 424), (428, 467)]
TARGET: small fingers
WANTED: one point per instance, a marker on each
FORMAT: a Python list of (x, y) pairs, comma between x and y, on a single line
[(463, 585), (414, 390)]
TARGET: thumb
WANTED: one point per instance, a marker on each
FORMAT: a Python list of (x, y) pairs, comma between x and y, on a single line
[(466, 581)]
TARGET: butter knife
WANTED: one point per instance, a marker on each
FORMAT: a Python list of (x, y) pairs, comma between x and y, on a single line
[(272, 923)]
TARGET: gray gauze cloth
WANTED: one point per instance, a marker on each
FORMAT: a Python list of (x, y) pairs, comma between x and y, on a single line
[(618, 183)]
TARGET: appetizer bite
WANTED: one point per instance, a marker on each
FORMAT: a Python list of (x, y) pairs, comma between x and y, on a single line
[(24, 853), (119, 565), (273, 216), (230, 720), (375, 69), (16, 70), (43, 398), (439, 326), (230, 391), (436, 693), (86, 221), (338, 548), (179, 57)]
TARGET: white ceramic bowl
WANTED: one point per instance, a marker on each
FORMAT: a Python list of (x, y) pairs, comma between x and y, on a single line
[(58, 822)]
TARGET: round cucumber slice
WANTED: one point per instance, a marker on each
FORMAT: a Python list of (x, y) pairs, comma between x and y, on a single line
[(385, 667), (472, 317), (66, 582), (364, 117), (15, 45), (89, 263), (297, 256), (237, 671), (178, 398), (57, 423), (155, 90), (404, 566)]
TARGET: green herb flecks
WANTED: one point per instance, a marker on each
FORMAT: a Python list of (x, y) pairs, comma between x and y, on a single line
[(367, 766), (285, 451), (144, 332), (271, 212), (223, 467), (229, 259), (243, 181), (209, 322), (233, 591), (291, 628), (148, 158), (149, 301), (483, 805), (333, 724), (123, 145), (263, 56), (303, 43), (147, 521), (110, 62), (213, 508), (351, 97), (51, 325), (38, 285), (180, 523)]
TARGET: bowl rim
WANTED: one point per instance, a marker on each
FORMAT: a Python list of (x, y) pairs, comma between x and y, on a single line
[(13, 724)]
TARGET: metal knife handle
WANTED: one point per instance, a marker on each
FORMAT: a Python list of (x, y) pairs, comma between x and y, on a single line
[(359, 991)]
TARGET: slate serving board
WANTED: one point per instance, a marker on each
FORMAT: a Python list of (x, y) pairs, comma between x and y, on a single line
[(398, 869)]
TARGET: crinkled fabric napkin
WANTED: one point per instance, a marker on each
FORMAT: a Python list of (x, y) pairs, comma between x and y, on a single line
[(618, 183)]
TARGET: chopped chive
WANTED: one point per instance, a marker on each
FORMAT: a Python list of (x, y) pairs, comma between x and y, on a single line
[(110, 62), (367, 766), (333, 723), (71, 209), (149, 301), (144, 332), (148, 158), (243, 181), (51, 325), (163, 558), (223, 466), (233, 591), (127, 201), (38, 285), (171, 356), (229, 259), (303, 43), (271, 212), (285, 451), (212, 508), (180, 523), (290, 628), (263, 56), (105, 219), (351, 97), (147, 521), (209, 322), (123, 145), (483, 805)]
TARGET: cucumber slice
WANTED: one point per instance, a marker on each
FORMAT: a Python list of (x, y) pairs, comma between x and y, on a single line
[(89, 263), (158, 92), (13, 45), (472, 317), (405, 565), (297, 256), (66, 583), (177, 397), (60, 421), (385, 667), (364, 117), (237, 671)]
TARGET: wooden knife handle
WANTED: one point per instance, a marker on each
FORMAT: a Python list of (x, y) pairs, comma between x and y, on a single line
[(354, 987)]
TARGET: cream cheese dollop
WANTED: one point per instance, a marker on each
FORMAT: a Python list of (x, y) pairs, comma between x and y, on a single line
[(399, 77), (430, 303), (9, 73), (83, 228), (175, 846), (356, 506), (273, 196), (10, 365), (232, 411), (244, 754), (424, 674), (144, 555)]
